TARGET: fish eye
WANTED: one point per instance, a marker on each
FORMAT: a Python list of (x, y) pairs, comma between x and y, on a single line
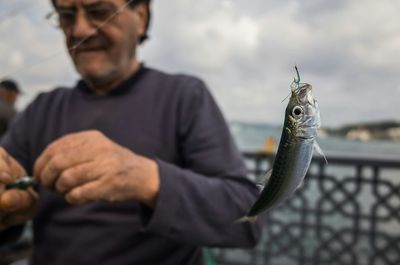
[(297, 111)]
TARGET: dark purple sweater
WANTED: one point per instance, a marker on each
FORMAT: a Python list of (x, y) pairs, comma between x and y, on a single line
[(170, 118)]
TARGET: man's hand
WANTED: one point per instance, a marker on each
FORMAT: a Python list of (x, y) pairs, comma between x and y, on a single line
[(87, 167), (16, 206)]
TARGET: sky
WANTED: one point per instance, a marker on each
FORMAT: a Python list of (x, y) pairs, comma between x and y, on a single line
[(245, 51)]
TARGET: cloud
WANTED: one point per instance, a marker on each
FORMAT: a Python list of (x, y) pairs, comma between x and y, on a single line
[(346, 52), (33, 53), (245, 51)]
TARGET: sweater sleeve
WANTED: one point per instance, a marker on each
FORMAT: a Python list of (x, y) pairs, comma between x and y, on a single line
[(16, 139), (199, 202)]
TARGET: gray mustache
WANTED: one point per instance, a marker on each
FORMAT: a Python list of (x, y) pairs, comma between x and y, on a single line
[(89, 44)]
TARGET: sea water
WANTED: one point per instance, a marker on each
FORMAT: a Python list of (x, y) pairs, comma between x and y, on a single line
[(372, 202), (251, 137)]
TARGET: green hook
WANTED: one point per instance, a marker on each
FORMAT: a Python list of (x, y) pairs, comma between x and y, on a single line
[(297, 79)]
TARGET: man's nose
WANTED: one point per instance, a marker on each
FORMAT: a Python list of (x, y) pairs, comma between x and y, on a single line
[(83, 27)]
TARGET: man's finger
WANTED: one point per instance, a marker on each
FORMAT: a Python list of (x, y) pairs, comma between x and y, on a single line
[(4, 155), (77, 176), (16, 200), (44, 158), (17, 170), (70, 142), (90, 192), (56, 147), (5, 168), (60, 163), (10, 169), (6, 178), (53, 169)]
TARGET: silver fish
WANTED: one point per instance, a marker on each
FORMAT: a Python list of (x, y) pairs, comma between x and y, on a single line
[(295, 151)]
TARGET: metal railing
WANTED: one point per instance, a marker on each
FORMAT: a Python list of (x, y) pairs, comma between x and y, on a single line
[(347, 213)]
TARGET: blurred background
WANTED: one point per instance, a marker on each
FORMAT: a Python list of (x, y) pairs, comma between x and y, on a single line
[(246, 51)]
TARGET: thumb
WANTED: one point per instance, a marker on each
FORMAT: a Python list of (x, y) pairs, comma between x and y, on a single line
[(16, 200)]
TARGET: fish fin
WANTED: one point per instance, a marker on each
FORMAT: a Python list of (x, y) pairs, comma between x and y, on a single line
[(246, 218), (319, 151), (264, 180)]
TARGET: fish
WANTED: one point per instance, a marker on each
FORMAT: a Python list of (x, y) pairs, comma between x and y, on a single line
[(295, 150)]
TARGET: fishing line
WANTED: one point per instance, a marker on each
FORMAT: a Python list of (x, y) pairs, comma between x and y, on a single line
[(122, 8), (286, 97), (296, 82), (296, 85), (43, 60)]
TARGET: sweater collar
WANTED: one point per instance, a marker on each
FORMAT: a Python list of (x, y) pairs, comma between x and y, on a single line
[(122, 88)]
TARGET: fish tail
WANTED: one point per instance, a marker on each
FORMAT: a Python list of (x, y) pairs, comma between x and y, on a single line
[(246, 218)]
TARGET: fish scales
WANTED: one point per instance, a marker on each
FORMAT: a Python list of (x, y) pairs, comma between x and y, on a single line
[(285, 165)]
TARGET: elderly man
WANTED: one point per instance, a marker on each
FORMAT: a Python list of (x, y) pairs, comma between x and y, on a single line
[(135, 166)]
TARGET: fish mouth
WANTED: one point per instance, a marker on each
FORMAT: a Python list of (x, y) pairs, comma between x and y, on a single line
[(303, 94)]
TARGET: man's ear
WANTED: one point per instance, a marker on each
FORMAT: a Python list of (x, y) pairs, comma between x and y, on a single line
[(142, 11)]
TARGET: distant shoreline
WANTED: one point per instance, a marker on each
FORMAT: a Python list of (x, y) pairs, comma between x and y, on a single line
[(363, 131)]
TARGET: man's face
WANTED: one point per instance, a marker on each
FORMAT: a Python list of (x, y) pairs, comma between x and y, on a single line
[(103, 48)]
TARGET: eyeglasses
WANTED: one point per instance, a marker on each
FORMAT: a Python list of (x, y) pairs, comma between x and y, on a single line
[(97, 14)]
